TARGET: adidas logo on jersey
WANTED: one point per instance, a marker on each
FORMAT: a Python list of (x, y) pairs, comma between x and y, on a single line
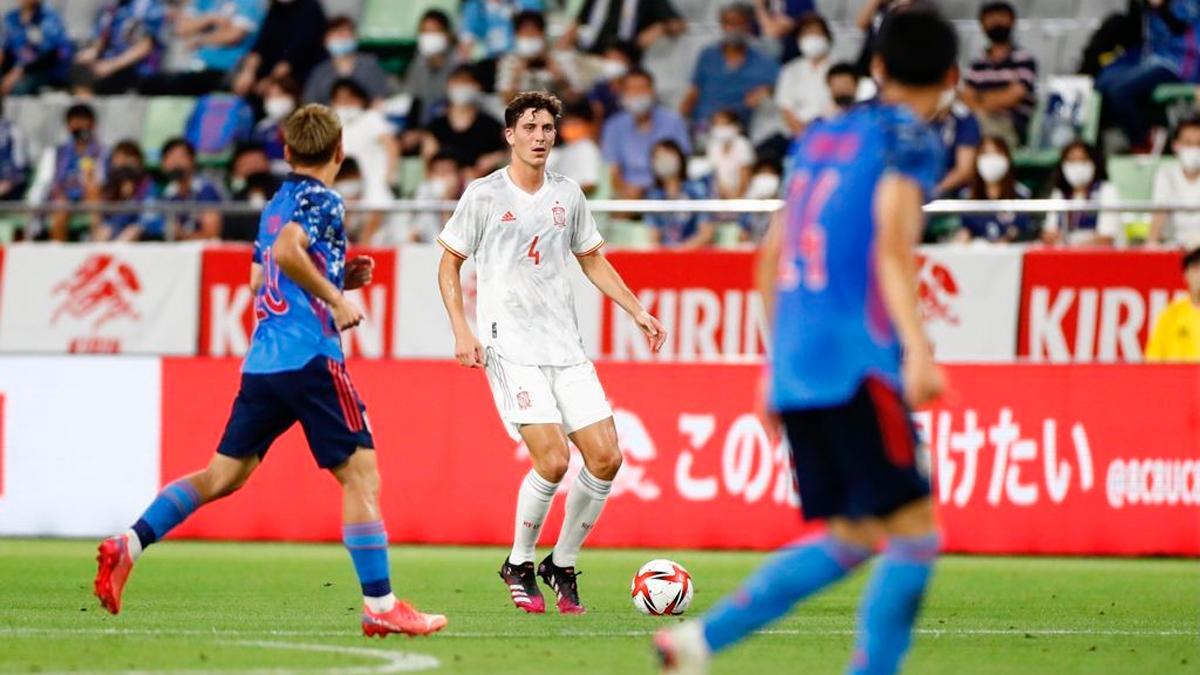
[(508, 217)]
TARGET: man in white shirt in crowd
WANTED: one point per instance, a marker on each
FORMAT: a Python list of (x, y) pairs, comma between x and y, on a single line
[(1179, 183)]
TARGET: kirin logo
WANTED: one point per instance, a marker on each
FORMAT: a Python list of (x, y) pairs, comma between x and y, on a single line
[(937, 291), (100, 290)]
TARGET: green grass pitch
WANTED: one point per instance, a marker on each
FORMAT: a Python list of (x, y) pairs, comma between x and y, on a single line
[(220, 607)]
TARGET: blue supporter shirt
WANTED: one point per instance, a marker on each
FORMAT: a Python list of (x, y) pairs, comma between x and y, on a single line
[(720, 87), (293, 326), (43, 42), (490, 23), (675, 228), (831, 326), (200, 190), (121, 24), (248, 14), (958, 129), (627, 146)]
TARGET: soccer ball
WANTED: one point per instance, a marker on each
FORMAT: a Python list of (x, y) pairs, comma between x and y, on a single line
[(662, 587)]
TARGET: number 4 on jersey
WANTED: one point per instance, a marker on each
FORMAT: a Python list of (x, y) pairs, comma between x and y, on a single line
[(533, 252)]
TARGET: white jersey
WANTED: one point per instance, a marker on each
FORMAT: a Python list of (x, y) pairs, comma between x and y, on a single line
[(523, 244)]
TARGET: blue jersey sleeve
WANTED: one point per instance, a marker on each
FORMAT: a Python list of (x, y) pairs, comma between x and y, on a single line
[(319, 212), (915, 152)]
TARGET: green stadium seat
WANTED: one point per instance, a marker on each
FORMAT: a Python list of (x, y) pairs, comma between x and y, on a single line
[(728, 235), (166, 117), (1133, 175), (411, 173), (391, 21)]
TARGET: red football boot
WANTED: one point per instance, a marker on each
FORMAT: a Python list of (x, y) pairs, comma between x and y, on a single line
[(115, 564), (401, 619)]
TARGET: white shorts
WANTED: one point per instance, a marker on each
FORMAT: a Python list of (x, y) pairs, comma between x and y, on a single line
[(566, 395)]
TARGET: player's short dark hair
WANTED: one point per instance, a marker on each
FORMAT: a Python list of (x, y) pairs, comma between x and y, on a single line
[(917, 46), (79, 111), (998, 6), (338, 22), (1191, 258), (843, 68), (352, 86), (529, 17), (813, 19), (531, 100), (437, 16), (1188, 122), (178, 142)]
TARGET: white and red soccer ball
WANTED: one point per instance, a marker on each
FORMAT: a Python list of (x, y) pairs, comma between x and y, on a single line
[(662, 587)]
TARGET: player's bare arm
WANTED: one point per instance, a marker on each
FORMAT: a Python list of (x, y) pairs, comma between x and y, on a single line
[(898, 212), (467, 348), (291, 252), (606, 278), (256, 278), (767, 266)]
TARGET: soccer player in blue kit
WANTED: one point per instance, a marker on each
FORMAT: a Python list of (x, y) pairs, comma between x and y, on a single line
[(294, 372), (838, 270)]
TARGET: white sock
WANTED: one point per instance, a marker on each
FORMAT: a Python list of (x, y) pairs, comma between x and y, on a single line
[(380, 605), (585, 501), (134, 544), (533, 502)]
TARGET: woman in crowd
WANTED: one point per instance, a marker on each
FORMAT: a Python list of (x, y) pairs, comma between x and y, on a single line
[(683, 230), (1081, 175), (994, 179), (731, 155)]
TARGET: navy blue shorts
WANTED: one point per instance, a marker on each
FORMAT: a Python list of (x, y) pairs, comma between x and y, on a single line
[(857, 459), (319, 396)]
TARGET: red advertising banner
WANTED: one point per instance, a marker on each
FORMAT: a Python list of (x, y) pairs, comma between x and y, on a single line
[(227, 305), (1085, 305), (1029, 459)]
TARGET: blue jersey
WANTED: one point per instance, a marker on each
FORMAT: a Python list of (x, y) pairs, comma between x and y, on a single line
[(294, 326), (831, 327)]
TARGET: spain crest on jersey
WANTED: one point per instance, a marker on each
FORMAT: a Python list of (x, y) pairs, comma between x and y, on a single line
[(560, 215)]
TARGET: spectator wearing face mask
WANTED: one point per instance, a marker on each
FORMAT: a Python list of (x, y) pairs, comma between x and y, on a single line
[(183, 184), (1175, 336), (474, 138), (765, 180), (641, 22), (278, 102), (577, 157), (683, 230), (605, 94), (730, 154), (628, 136), (532, 66), (730, 74), (345, 62), (960, 133), (443, 181), (487, 27), (250, 181), (370, 139), (1000, 85), (1179, 183), (428, 73), (37, 49), (779, 19), (842, 85), (994, 179), (71, 172), (1081, 175), (127, 183), (289, 43), (801, 94)]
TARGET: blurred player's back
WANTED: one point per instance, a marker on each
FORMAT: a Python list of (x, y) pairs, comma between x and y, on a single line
[(832, 327)]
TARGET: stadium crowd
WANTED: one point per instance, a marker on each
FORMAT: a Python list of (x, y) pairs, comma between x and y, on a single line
[(421, 120)]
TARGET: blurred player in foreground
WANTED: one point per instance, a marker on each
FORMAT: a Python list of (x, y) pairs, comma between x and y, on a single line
[(838, 266), (294, 372), (523, 224)]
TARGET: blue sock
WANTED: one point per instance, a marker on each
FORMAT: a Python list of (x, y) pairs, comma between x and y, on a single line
[(890, 604), (794, 573), (367, 543), (175, 503)]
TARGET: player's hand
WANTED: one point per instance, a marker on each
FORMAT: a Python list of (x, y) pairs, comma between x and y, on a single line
[(923, 379), (468, 350), (359, 272), (345, 314), (655, 333)]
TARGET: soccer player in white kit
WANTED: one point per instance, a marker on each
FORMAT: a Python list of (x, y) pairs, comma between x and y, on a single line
[(523, 224)]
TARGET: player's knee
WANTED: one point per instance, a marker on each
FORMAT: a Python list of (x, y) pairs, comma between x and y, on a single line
[(606, 465), (553, 466)]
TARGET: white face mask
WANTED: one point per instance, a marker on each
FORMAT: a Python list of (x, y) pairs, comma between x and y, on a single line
[(439, 187), (637, 105), (813, 46), (992, 166), (278, 107), (432, 43), (1189, 158), (612, 69), (666, 165), (527, 47), (1079, 173), (347, 113), (724, 132), (257, 200), (763, 186), (350, 189), (460, 94)]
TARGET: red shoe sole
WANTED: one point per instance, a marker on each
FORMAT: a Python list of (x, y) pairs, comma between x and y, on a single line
[(107, 558), (370, 629)]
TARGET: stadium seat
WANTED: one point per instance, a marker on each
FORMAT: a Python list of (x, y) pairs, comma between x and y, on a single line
[(350, 8), (388, 21), (1047, 136), (120, 117), (1133, 175), (411, 173), (728, 235), (80, 17), (40, 118), (166, 117)]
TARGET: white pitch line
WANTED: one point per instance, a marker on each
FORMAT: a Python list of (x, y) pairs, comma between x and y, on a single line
[(932, 632)]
